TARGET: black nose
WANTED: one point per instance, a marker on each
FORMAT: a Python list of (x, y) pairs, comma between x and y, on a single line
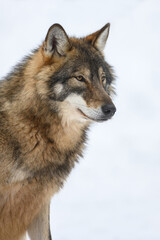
[(109, 110)]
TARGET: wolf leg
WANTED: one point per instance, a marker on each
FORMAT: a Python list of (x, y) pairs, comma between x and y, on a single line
[(20, 204), (39, 228)]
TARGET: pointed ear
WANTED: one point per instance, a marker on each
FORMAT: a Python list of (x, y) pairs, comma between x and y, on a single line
[(56, 41), (99, 38)]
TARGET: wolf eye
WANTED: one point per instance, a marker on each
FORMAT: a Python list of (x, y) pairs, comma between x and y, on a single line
[(80, 78), (104, 81)]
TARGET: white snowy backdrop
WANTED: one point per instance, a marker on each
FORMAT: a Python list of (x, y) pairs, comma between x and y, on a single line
[(114, 192)]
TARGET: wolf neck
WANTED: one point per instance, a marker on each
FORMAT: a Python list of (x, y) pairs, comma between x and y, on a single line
[(33, 115)]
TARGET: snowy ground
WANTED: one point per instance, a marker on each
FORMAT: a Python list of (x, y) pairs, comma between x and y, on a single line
[(114, 193)]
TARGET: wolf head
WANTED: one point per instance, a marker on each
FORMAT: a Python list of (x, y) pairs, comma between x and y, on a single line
[(79, 80)]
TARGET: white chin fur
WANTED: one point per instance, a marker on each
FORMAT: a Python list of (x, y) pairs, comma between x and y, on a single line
[(69, 110)]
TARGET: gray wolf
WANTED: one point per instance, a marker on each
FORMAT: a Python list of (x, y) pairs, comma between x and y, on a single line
[(47, 103)]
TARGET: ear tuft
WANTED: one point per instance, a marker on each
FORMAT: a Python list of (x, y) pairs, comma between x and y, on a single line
[(99, 38), (56, 41)]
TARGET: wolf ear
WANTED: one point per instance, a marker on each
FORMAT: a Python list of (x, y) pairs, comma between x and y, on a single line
[(99, 38), (56, 41)]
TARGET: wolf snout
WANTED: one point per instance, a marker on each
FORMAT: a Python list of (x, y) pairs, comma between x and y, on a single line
[(109, 110)]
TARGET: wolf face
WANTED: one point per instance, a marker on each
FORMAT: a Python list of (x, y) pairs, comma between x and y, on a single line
[(79, 83)]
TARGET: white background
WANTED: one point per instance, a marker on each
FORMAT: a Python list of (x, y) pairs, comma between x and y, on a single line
[(114, 192)]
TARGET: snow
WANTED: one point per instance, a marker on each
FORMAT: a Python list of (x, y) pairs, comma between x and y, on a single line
[(114, 192)]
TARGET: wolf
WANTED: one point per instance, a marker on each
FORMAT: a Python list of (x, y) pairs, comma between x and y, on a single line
[(47, 103)]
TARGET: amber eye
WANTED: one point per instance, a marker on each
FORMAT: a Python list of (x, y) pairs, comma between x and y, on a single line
[(80, 78), (104, 81)]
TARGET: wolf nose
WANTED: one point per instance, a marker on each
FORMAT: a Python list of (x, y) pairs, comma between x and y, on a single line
[(109, 110)]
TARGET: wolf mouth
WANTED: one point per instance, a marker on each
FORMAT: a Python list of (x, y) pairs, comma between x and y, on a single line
[(84, 115), (92, 119)]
